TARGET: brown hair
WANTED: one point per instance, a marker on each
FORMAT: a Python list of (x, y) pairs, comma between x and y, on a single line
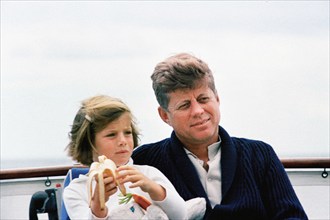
[(181, 71), (94, 115)]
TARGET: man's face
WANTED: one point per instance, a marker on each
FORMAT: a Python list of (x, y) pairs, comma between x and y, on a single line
[(194, 115)]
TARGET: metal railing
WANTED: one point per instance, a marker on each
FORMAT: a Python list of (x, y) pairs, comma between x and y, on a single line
[(298, 163)]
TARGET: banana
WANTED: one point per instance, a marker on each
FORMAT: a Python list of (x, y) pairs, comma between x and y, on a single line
[(97, 169)]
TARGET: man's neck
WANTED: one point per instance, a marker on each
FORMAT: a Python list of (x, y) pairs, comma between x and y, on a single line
[(200, 151)]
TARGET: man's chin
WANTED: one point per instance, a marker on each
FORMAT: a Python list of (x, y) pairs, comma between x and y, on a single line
[(206, 135)]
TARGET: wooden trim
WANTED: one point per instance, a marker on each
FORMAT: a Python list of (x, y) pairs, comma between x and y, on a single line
[(306, 163), (298, 163), (35, 172)]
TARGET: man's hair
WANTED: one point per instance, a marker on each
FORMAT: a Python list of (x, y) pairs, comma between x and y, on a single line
[(181, 71)]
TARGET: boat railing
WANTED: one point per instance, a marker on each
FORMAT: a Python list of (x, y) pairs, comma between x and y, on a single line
[(309, 177), (288, 163)]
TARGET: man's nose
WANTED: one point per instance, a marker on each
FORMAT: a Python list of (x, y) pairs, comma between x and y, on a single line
[(196, 108)]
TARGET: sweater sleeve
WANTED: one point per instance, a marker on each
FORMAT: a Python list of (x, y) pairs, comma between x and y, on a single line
[(278, 194)]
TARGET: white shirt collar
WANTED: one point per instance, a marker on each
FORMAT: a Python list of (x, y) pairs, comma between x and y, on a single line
[(213, 149)]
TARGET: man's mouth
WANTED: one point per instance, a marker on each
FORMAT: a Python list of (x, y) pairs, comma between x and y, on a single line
[(200, 122)]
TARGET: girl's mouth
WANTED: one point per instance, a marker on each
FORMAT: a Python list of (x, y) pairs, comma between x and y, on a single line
[(122, 152)]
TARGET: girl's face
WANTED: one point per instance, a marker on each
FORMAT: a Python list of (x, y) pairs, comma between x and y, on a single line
[(115, 141)]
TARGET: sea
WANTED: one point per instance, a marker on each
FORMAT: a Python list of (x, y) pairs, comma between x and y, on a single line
[(34, 163)]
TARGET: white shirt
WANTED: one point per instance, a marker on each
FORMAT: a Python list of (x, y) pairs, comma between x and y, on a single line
[(211, 179), (77, 204)]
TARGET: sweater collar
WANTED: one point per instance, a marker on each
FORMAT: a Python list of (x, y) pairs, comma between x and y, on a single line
[(228, 161), (187, 170)]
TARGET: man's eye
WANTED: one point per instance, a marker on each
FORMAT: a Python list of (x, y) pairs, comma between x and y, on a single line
[(204, 99), (183, 106)]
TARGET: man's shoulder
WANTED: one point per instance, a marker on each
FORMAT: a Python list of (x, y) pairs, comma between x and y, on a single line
[(248, 141), (250, 144), (254, 149), (156, 146), (150, 152), (241, 142)]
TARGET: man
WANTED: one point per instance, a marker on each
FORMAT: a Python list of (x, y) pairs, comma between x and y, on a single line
[(239, 178)]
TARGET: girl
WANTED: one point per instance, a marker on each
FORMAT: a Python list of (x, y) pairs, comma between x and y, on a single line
[(106, 126)]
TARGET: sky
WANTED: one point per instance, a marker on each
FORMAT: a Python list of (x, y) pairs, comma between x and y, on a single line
[(270, 61)]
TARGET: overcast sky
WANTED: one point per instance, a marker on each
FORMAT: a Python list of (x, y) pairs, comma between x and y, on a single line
[(270, 60)]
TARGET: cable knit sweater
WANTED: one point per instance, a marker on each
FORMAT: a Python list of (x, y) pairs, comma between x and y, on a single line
[(254, 183)]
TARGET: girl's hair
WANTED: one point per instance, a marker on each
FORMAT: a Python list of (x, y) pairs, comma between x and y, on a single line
[(94, 115), (181, 71)]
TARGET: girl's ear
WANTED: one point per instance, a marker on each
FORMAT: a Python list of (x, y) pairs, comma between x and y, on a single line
[(164, 115)]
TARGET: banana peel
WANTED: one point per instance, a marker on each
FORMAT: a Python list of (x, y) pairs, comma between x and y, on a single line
[(105, 165), (97, 169)]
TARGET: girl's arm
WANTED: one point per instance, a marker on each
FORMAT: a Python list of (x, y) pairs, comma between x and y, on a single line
[(159, 188)]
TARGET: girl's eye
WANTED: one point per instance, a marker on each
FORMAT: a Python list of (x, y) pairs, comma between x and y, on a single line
[(111, 135), (128, 132)]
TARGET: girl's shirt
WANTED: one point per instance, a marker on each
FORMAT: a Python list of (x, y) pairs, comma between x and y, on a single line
[(76, 201)]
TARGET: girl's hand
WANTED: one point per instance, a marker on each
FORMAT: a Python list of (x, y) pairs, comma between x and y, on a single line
[(131, 174), (110, 188)]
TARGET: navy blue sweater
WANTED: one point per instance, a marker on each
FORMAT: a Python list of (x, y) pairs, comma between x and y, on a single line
[(254, 183)]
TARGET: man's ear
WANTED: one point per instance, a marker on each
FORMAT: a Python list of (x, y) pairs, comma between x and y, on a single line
[(218, 99), (163, 115)]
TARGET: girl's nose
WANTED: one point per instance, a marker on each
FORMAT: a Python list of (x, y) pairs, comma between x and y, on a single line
[(122, 140)]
